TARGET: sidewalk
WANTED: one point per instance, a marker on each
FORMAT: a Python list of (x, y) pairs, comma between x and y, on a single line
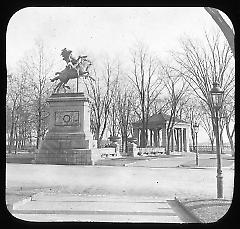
[(46, 207)]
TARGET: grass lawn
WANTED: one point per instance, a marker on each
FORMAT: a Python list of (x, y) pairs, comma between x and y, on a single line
[(207, 210)]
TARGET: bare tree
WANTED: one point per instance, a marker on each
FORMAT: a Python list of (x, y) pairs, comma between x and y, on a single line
[(125, 113), (101, 95), (147, 82), (177, 98), (191, 113), (229, 116), (225, 28), (113, 122), (38, 65), (15, 101), (201, 66), (206, 123)]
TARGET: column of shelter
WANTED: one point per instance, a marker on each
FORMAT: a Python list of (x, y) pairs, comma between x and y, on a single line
[(180, 139), (155, 137), (139, 136), (184, 140), (177, 138), (158, 137), (187, 139), (181, 133), (150, 137)]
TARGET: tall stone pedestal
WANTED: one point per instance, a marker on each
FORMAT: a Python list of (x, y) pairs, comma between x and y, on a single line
[(68, 140)]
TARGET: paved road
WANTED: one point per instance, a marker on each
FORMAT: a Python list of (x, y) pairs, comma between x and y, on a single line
[(112, 193), (188, 159), (97, 208), (110, 180)]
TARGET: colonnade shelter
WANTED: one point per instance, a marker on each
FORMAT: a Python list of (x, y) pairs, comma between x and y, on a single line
[(157, 133)]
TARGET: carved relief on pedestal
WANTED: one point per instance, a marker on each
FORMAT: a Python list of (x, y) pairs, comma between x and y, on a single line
[(66, 118)]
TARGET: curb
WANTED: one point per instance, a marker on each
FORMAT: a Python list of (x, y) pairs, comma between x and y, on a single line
[(127, 164), (202, 167), (187, 211), (147, 159)]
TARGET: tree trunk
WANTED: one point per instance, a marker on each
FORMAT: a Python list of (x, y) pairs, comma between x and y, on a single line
[(123, 145), (212, 145), (38, 129), (16, 139), (10, 140), (11, 134), (193, 139), (230, 139), (168, 143), (143, 136)]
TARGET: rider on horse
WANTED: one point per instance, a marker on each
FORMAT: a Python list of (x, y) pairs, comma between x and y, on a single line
[(74, 69)]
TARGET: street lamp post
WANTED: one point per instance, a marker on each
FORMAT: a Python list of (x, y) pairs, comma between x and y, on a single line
[(217, 98), (196, 128)]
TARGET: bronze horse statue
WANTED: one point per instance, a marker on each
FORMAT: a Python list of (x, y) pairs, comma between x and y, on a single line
[(75, 68)]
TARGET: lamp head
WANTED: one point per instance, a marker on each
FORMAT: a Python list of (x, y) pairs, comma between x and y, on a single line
[(216, 96)]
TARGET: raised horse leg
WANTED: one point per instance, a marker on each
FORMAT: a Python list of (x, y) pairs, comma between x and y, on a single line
[(57, 88), (65, 86)]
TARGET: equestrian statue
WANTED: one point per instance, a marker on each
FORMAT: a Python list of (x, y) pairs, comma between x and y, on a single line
[(75, 68)]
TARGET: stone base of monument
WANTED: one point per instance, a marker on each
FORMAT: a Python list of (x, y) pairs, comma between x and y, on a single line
[(69, 157), (68, 140)]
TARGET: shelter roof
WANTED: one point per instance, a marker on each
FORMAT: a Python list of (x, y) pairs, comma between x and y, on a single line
[(161, 118)]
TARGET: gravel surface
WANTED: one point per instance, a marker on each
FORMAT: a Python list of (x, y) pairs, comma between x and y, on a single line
[(207, 210)]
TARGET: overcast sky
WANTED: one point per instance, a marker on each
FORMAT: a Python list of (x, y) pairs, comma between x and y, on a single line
[(102, 31), (105, 31)]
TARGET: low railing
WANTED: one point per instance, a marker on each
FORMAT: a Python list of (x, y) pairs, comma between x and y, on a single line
[(210, 149), (150, 151), (107, 152)]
